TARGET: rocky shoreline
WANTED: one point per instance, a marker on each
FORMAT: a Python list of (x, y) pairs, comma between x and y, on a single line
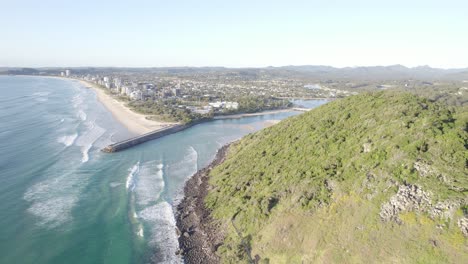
[(199, 235)]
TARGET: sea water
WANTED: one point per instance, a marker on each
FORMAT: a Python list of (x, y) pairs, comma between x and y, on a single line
[(64, 201)]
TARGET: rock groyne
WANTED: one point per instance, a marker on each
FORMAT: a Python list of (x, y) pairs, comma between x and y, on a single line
[(128, 143)]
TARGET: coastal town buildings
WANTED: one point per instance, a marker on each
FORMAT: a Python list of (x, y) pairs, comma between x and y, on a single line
[(202, 92)]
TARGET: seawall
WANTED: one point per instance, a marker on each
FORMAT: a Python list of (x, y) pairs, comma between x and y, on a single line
[(128, 143)]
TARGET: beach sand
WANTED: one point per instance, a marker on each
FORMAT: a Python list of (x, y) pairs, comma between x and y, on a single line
[(134, 122)]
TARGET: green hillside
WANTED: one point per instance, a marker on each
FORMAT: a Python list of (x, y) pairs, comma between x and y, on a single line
[(374, 178)]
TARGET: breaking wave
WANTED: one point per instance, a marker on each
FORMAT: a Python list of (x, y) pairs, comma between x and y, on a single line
[(150, 183), (67, 140), (163, 233), (187, 166), (53, 198), (182, 170), (41, 96), (77, 100), (82, 115), (88, 138), (130, 183)]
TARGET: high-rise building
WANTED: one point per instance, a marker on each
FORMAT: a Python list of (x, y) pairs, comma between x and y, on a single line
[(67, 73), (176, 91)]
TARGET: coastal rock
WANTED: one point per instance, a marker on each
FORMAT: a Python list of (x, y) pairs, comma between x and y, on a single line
[(423, 168), (200, 235), (411, 198), (445, 209), (408, 198), (463, 225)]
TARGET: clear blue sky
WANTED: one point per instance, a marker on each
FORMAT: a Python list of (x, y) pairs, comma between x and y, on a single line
[(235, 33)]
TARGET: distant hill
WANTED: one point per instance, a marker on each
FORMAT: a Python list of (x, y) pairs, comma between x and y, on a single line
[(393, 72), (19, 71), (316, 72), (373, 178)]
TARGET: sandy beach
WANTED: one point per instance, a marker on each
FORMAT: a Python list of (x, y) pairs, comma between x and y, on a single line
[(134, 122)]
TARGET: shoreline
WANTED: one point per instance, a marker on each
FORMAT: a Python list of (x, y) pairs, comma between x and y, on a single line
[(199, 235), (136, 123), (144, 129)]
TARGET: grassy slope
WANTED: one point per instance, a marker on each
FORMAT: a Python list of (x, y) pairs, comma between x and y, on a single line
[(310, 189)]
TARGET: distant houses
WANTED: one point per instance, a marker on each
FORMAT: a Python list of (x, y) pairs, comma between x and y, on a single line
[(199, 97), (225, 105), (136, 95)]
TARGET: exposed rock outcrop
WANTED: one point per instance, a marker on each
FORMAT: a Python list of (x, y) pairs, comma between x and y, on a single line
[(412, 198), (423, 168), (445, 209), (463, 224), (408, 198)]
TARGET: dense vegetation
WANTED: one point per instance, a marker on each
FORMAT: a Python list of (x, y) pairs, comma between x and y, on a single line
[(251, 104), (314, 188), (447, 94), (168, 109), (165, 111)]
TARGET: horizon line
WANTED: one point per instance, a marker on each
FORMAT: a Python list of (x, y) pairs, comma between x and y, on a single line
[(243, 67)]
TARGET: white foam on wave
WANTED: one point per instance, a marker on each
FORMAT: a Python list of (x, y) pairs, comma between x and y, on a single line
[(187, 166), (115, 184), (163, 233), (88, 138), (53, 198), (140, 232), (82, 115), (183, 169), (85, 153), (77, 100), (150, 183), (41, 96), (145, 183), (67, 140), (130, 184), (54, 211)]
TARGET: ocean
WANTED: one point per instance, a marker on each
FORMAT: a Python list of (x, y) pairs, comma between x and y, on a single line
[(65, 201)]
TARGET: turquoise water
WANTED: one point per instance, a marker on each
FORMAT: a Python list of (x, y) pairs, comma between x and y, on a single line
[(64, 201)]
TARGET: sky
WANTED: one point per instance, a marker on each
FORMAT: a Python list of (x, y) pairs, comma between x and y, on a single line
[(236, 33)]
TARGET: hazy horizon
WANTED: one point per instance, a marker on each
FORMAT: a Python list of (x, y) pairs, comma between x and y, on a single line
[(226, 67), (241, 34)]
